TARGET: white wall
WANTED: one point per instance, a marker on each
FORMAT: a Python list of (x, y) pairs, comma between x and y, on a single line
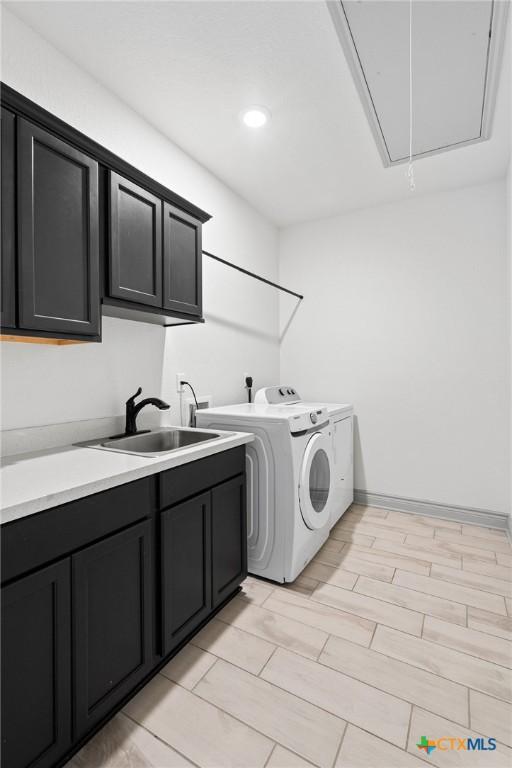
[(43, 384), (405, 315)]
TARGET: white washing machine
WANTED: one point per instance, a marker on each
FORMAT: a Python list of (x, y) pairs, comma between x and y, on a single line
[(342, 423), (290, 470)]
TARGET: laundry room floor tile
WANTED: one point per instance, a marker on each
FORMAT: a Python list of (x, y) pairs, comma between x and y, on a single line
[(373, 528), (407, 563), (234, 645), (470, 641), (198, 730), (290, 720), (369, 608), (361, 510), (433, 727), (329, 575), (188, 666), (455, 545), (348, 536), (490, 623), (315, 614), (362, 750), (426, 550), (398, 628), (350, 560), (488, 569), (494, 544), (489, 715), (343, 696), (409, 598), (122, 742), (464, 595), (283, 758), (404, 518), (454, 665), (303, 585), (275, 628), (398, 678), (477, 580), (255, 591)]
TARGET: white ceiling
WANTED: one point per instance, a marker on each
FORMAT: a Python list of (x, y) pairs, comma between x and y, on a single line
[(190, 67)]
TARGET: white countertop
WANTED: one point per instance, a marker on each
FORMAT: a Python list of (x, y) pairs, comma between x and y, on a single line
[(31, 482)]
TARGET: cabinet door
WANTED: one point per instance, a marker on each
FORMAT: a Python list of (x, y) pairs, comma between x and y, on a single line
[(112, 621), (229, 538), (57, 235), (8, 223), (36, 685), (182, 262), (185, 569), (135, 243), (343, 449)]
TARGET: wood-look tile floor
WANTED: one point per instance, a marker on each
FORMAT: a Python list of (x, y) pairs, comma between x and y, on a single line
[(399, 628)]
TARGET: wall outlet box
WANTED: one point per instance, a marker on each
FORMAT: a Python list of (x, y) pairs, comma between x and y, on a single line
[(179, 378), (188, 408)]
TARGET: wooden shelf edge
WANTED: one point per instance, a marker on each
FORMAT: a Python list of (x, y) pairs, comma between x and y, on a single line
[(37, 340)]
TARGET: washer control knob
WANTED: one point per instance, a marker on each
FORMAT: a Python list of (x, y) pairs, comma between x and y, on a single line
[(313, 417), (282, 391)]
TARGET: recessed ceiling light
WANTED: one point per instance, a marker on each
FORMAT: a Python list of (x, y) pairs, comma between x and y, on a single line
[(255, 117)]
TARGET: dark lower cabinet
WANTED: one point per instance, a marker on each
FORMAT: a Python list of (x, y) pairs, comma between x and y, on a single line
[(182, 258), (135, 243), (8, 221), (36, 666), (185, 569), (58, 242), (112, 622), (203, 557), (229, 538), (127, 586)]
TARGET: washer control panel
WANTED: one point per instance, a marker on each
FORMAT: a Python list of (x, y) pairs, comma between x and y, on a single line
[(277, 395), (308, 421)]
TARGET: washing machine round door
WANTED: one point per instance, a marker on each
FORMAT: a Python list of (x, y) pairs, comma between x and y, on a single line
[(315, 481)]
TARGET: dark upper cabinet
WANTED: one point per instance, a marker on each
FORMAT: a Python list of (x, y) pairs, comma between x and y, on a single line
[(229, 538), (153, 262), (8, 221), (135, 265), (185, 569), (81, 228), (58, 254), (36, 685), (182, 261), (112, 622)]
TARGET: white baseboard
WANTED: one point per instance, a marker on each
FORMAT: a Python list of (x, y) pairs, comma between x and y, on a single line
[(467, 515)]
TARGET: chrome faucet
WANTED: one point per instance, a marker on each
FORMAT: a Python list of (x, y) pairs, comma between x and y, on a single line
[(133, 409)]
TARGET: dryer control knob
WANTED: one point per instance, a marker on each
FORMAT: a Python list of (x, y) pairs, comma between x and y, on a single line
[(313, 417), (282, 392)]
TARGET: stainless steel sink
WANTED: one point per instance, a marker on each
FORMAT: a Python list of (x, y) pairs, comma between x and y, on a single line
[(158, 442)]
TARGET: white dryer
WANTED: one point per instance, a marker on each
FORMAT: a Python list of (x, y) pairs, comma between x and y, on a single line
[(290, 470), (342, 423)]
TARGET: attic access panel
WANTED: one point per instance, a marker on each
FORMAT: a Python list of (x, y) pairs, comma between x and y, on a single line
[(457, 48)]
